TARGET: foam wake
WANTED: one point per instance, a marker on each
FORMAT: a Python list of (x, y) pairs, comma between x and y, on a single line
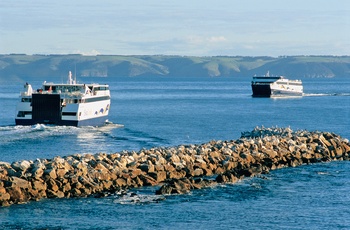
[(325, 94)]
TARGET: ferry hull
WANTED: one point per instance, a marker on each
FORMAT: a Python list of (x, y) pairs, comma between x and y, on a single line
[(261, 90), (273, 90), (47, 109), (98, 121), (277, 93)]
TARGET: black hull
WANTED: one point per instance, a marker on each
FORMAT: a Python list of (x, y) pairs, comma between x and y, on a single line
[(261, 90)]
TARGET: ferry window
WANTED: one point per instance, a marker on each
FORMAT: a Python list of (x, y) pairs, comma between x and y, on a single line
[(69, 114), (75, 88), (101, 88)]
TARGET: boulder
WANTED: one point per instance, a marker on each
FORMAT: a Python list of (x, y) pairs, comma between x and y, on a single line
[(21, 165)]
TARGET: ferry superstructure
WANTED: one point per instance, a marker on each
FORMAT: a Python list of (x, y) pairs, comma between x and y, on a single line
[(69, 104), (275, 86)]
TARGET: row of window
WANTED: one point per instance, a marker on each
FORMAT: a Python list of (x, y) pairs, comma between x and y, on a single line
[(289, 83), (64, 88), (24, 113), (101, 88), (74, 101)]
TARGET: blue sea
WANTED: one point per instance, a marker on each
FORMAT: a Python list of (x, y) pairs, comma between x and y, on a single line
[(151, 112)]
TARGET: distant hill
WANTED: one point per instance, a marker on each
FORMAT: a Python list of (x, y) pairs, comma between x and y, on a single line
[(41, 67)]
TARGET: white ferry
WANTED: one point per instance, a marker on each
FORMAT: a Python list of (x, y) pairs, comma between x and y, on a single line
[(70, 104), (272, 86)]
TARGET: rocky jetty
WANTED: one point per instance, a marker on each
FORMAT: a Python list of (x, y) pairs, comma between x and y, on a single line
[(175, 170)]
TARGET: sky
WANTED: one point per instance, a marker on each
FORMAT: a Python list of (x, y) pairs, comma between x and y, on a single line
[(181, 27)]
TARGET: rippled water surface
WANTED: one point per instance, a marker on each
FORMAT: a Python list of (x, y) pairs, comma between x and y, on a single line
[(167, 112)]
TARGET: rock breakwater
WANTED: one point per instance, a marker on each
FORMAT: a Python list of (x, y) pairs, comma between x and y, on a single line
[(175, 170)]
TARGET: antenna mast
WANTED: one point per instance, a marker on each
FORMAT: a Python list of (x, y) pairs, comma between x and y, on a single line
[(75, 72)]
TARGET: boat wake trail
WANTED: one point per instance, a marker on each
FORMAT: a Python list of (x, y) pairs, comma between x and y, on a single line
[(109, 137), (106, 131), (145, 139), (10, 134), (325, 94), (34, 132), (118, 133)]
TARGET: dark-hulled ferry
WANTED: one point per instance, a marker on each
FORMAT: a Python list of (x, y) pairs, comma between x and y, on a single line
[(70, 104), (275, 86)]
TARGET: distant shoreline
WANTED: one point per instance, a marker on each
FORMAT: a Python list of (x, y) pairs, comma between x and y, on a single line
[(40, 67)]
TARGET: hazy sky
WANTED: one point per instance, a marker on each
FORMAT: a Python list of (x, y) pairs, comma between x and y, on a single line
[(181, 27)]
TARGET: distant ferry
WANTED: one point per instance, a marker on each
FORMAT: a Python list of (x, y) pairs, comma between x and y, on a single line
[(70, 104), (272, 86)]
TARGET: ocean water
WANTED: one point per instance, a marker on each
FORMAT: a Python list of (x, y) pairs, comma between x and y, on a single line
[(167, 112)]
